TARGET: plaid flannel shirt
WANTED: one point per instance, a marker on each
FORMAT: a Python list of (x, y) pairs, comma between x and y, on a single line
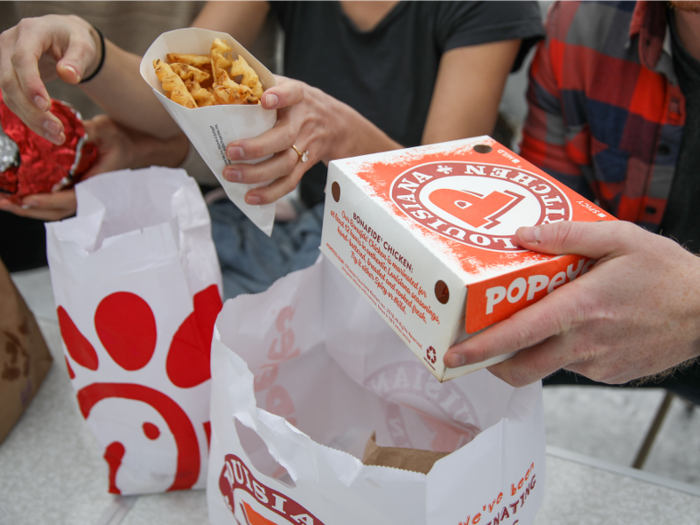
[(606, 113)]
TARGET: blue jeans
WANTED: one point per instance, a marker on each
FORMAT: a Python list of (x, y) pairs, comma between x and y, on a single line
[(250, 260)]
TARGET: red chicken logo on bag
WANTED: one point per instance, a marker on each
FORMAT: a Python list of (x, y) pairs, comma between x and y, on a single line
[(126, 327)]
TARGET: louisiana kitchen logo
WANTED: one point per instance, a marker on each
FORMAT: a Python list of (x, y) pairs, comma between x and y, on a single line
[(253, 503), (478, 204)]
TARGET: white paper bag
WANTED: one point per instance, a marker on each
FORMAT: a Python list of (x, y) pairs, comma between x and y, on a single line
[(210, 129), (303, 373), (137, 287)]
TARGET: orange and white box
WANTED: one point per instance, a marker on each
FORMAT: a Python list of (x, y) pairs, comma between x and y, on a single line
[(427, 234)]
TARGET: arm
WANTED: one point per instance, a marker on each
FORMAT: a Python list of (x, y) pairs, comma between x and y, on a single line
[(40, 49), (461, 107), (242, 20), (330, 129), (636, 313), (119, 148), (310, 119), (67, 47)]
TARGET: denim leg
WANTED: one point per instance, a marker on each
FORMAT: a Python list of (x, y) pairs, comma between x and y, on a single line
[(250, 260)]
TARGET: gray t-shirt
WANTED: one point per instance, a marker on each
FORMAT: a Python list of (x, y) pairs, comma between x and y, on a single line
[(387, 74)]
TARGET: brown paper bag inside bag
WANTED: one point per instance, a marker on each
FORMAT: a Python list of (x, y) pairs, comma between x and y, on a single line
[(24, 356), (404, 458)]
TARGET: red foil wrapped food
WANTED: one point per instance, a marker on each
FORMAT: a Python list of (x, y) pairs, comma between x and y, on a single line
[(31, 164)]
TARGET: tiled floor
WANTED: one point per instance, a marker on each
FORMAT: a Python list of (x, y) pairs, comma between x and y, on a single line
[(610, 424), (605, 423)]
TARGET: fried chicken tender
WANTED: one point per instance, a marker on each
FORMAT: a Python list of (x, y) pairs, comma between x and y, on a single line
[(206, 80), (218, 60), (200, 61), (226, 91), (187, 72), (249, 77), (202, 96), (173, 84)]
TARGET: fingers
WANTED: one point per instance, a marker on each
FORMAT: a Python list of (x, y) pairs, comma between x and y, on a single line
[(283, 97), (44, 206), (554, 314), (81, 53), (23, 91), (285, 94), (276, 190), (532, 364), (23, 50), (284, 170), (278, 139), (591, 239)]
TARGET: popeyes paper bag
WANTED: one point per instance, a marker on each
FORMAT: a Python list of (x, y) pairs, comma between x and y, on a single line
[(302, 376), (137, 287), (210, 129)]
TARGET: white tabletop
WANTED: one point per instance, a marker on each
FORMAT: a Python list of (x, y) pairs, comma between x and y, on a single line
[(52, 473)]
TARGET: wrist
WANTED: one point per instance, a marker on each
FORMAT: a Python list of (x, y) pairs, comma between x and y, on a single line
[(149, 151), (356, 135), (99, 60)]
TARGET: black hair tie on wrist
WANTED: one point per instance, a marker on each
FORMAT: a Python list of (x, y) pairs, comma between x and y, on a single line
[(102, 58)]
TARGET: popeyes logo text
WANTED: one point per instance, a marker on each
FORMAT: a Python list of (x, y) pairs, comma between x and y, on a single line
[(528, 288), (477, 204), (504, 507), (253, 503), (496, 299)]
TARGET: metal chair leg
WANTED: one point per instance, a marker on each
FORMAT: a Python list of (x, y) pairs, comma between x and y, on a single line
[(653, 431)]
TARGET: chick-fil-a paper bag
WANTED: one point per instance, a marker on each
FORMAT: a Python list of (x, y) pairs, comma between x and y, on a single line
[(211, 128), (137, 287)]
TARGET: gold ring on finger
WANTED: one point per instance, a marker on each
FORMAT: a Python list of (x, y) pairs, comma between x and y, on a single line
[(303, 157)]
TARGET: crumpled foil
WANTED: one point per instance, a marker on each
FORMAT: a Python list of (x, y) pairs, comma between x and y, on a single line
[(31, 164), (9, 152)]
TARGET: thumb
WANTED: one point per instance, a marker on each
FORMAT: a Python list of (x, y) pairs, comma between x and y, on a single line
[(286, 93), (591, 239), (79, 60)]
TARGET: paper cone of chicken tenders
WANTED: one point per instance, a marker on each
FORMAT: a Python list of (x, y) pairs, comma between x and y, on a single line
[(211, 88)]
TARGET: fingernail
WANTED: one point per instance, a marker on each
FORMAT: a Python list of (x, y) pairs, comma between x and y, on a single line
[(26, 206), (51, 126), (531, 234), (233, 175), (56, 139), (40, 102), (271, 100), (455, 360), (253, 199), (75, 72), (235, 153)]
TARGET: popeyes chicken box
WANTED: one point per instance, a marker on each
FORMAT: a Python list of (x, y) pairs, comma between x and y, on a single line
[(427, 234), (217, 114)]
